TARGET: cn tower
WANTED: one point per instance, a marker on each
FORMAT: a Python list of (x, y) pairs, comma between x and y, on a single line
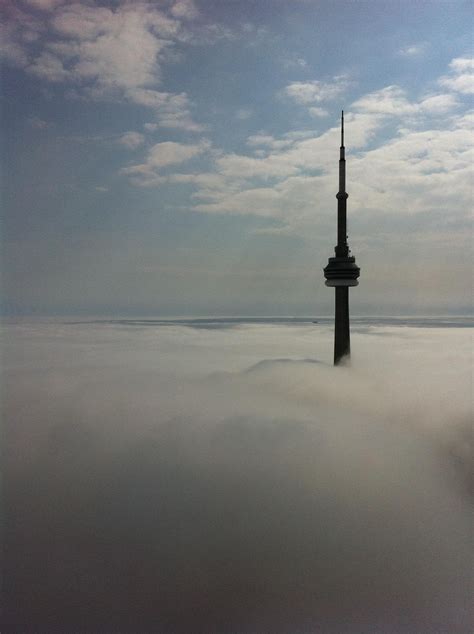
[(342, 270)]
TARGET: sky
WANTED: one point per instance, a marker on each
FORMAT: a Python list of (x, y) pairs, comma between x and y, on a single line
[(180, 158)]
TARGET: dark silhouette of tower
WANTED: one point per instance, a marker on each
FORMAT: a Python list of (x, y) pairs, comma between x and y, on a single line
[(342, 270)]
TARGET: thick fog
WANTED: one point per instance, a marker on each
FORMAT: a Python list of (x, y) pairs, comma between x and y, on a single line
[(231, 480)]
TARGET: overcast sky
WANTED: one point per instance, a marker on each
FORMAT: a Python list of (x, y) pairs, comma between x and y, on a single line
[(180, 158)]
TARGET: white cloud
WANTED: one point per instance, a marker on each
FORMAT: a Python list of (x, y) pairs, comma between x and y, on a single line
[(48, 66), (260, 139), (246, 167), (261, 201), (18, 29), (418, 171), (39, 124), (160, 156), (151, 127), (243, 113), (170, 153), (45, 5), (392, 101), (185, 9), (315, 111), (439, 104), (294, 62), (462, 83), (465, 121), (297, 135), (10, 49), (108, 53), (414, 50), (294, 191), (83, 22), (421, 171), (311, 92), (308, 154), (461, 78), (116, 52), (387, 101), (131, 140), (269, 142), (172, 110), (128, 20), (117, 49), (462, 64), (424, 171)]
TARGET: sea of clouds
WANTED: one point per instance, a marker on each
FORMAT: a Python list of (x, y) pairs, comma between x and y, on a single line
[(231, 480)]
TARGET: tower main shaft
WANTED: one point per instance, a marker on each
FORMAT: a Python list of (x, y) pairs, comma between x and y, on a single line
[(342, 270)]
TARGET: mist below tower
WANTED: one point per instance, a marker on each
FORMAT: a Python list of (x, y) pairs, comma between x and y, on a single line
[(158, 481)]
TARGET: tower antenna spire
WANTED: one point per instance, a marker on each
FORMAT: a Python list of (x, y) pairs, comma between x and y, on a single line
[(342, 128)]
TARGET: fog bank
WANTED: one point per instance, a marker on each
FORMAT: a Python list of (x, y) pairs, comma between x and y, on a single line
[(174, 479)]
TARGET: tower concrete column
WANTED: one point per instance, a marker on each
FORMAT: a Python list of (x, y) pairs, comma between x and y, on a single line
[(342, 335)]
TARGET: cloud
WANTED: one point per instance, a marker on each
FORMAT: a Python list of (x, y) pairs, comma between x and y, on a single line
[(50, 67), (439, 104), (131, 140), (268, 141), (393, 101), (251, 493), (10, 49), (419, 168), (420, 172), (260, 201), (311, 92), (245, 167), (260, 139), (18, 30), (414, 50), (287, 158), (462, 83), (172, 110), (390, 100), (462, 64), (163, 155), (315, 111), (115, 53), (170, 153), (465, 121), (116, 49), (120, 26), (242, 114), (38, 124), (414, 172), (292, 61), (45, 5), (185, 9), (108, 53), (461, 79)]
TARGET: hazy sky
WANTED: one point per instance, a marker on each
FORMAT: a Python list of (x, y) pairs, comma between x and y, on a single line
[(181, 157)]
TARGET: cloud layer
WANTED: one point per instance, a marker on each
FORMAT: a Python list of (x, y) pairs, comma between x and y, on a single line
[(177, 479)]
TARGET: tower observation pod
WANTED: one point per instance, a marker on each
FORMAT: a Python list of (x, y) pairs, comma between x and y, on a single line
[(342, 270)]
